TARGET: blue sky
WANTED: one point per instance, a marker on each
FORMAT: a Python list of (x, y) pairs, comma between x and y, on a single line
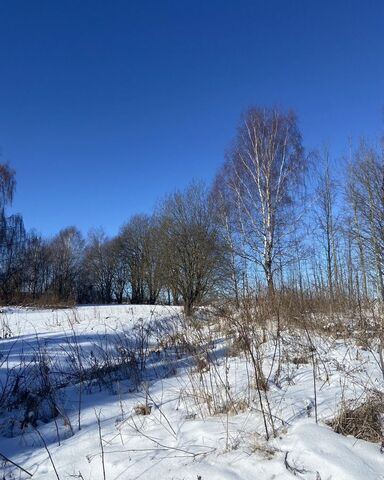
[(105, 106)]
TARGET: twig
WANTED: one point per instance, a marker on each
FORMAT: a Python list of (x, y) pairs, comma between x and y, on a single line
[(296, 471), (101, 443), (47, 450), (15, 464)]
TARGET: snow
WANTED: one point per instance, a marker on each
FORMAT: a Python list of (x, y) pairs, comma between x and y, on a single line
[(180, 438), (333, 455)]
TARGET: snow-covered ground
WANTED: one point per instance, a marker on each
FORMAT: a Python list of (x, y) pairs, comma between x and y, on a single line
[(100, 368)]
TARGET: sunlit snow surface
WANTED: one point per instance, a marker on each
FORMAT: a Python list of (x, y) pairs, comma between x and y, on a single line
[(177, 440)]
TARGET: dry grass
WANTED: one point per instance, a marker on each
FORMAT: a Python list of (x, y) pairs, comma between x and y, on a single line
[(363, 421), (300, 360), (143, 409)]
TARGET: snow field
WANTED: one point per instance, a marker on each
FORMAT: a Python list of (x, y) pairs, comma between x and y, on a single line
[(205, 419)]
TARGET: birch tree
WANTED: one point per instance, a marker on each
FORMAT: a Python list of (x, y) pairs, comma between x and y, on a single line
[(263, 173), (365, 193)]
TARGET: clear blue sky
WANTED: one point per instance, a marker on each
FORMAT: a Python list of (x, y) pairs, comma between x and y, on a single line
[(105, 106)]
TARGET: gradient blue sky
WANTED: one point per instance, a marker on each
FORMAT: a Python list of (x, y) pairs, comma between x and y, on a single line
[(105, 106)]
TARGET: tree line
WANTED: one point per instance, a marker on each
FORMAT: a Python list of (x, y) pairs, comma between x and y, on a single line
[(270, 224)]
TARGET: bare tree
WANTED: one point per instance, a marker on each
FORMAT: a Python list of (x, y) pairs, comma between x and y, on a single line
[(66, 256), (121, 269), (224, 212), (263, 172), (99, 268), (194, 249), (365, 193), (12, 237), (141, 251), (12, 249), (7, 184), (325, 219), (36, 267)]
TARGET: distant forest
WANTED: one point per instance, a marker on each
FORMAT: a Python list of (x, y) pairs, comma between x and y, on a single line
[(276, 220)]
